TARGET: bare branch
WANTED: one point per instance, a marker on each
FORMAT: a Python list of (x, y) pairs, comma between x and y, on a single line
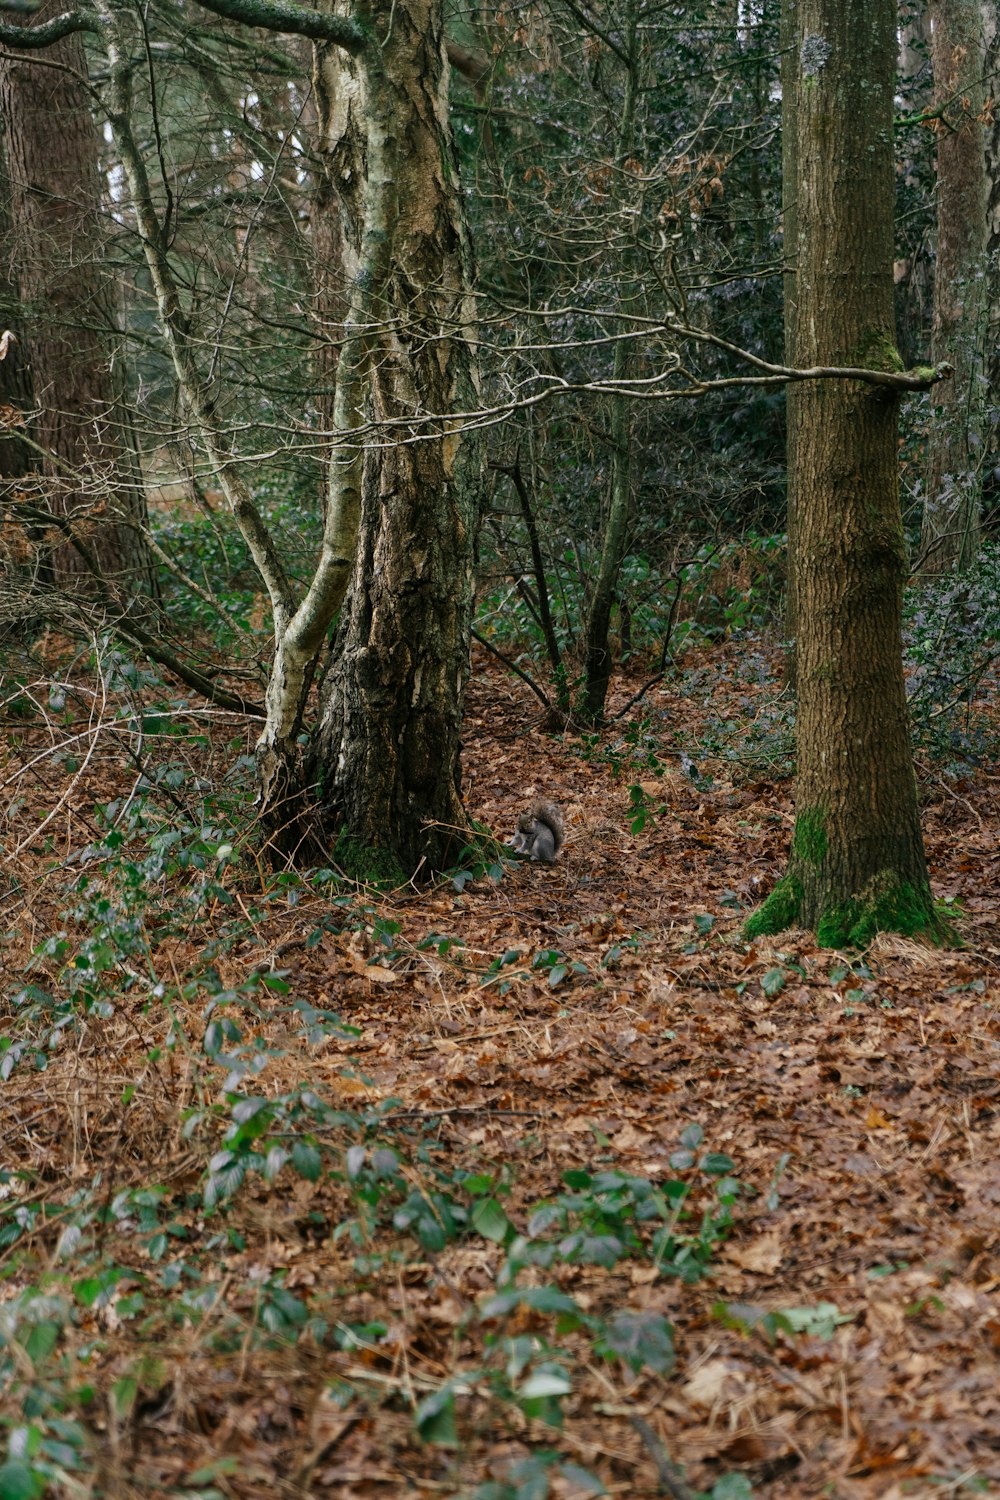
[(276, 15), (24, 37), (269, 15)]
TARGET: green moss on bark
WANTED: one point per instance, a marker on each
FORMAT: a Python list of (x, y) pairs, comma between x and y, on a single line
[(877, 351), (809, 841), (366, 865), (886, 905), (778, 912)]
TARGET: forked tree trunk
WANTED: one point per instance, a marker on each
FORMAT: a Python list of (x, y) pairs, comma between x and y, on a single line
[(857, 860), (387, 756), (950, 532)]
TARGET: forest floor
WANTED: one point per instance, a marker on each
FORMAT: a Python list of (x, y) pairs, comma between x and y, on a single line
[(567, 1019)]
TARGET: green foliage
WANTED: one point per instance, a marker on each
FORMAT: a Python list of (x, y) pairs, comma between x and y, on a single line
[(207, 546), (726, 588), (818, 1322), (952, 639), (556, 966), (483, 857), (765, 747), (642, 813), (530, 1479), (394, 1192)]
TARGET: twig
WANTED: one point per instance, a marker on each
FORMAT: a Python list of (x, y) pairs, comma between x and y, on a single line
[(671, 1479), (462, 1109), (518, 671)]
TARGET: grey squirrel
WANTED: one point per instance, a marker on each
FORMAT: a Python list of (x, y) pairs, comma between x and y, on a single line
[(540, 832)]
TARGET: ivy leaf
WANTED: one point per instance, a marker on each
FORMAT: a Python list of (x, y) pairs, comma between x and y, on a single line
[(490, 1220), (640, 1339), (435, 1418)]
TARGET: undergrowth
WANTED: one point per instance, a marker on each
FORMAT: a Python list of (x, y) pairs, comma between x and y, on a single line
[(106, 1278)]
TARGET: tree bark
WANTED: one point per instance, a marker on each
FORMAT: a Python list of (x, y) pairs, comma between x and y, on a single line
[(857, 860), (88, 467), (991, 30), (388, 744), (597, 648), (950, 530), (16, 458), (790, 235)]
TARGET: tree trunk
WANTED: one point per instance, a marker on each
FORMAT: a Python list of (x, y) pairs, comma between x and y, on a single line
[(19, 541), (950, 530), (790, 235), (387, 749), (597, 651), (16, 459), (52, 162), (857, 860), (991, 29)]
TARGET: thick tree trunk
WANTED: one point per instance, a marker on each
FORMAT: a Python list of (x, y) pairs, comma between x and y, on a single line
[(950, 531), (16, 459), (52, 162), (19, 542), (857, 861), (387, 758), (991, 29)]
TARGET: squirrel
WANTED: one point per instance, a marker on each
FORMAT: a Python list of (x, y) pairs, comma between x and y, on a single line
[(540, 832)]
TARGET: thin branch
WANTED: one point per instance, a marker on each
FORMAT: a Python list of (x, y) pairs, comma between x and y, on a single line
[(670, 1476), (518, 672)]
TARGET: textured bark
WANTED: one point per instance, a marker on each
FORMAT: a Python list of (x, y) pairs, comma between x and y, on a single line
[(857, 855), (15, 384), (950, 531), (19, 543), (790, 233), (329, 301), (68, 311), (387, 760), (597, 651), (991, 30)]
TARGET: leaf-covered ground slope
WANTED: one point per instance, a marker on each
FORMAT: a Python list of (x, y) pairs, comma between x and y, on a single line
[(578, 1017)]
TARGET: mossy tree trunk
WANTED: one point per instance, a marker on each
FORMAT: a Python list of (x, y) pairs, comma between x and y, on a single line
[(857, 860), (386, 762), (950, 532)]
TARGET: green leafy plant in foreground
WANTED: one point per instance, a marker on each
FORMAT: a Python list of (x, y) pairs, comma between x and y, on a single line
[(397, 1193)]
